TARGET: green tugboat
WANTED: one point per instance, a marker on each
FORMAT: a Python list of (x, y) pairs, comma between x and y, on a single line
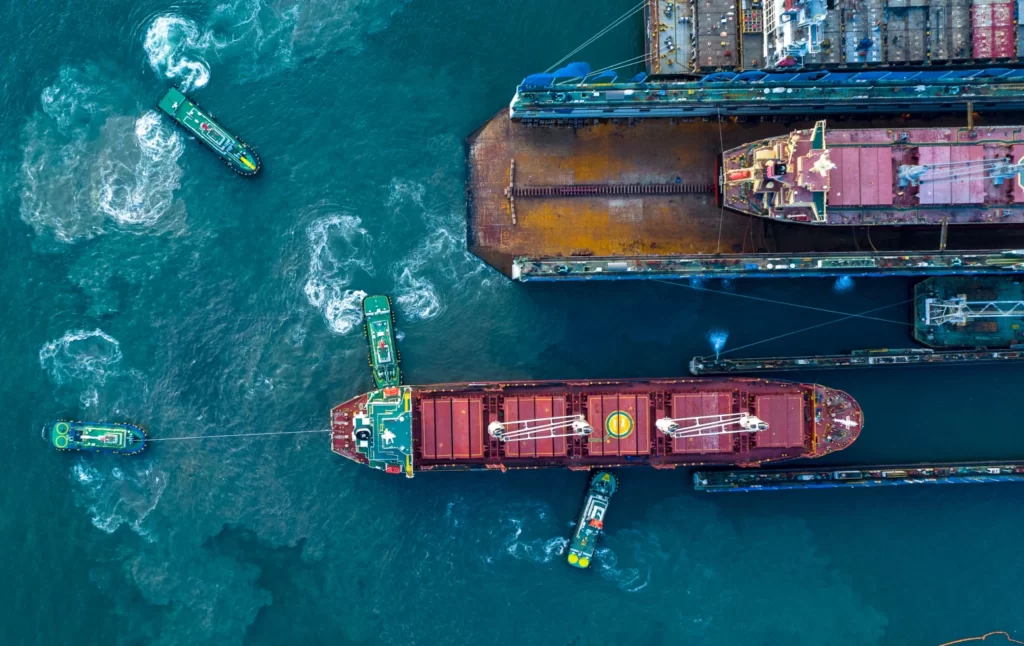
[(380, 334), (97, 437), (237, 154), (591, 521)]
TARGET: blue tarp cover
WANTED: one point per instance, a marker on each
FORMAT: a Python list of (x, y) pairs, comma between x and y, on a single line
[(538, 80), (572, 70)]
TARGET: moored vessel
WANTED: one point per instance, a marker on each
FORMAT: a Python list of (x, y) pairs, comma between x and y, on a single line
[(238, 155), (378, 327), (970, 312), (591, 521), (880, 176), (97, 437), (661, 423)]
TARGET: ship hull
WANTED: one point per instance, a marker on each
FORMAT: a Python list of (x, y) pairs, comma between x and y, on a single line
[(96, 437), (879, 176), (235, 153), (446, 426)]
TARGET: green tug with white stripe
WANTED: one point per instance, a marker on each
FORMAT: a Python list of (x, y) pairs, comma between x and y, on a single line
[(96, 437), (590, 525), (238, 155), (379, 328)]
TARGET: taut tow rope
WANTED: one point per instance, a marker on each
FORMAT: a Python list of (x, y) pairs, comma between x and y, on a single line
[(214, 437)]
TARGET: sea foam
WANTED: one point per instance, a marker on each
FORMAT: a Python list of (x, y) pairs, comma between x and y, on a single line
[(174, 47), (86, 170), (84, 361), (116, 496), (138, 190), (339, 248)]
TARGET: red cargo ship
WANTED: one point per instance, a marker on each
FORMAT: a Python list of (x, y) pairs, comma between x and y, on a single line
[(879, 176), (662, 423)]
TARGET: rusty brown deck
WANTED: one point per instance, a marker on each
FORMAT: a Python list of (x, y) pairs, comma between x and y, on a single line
[(553, 223)]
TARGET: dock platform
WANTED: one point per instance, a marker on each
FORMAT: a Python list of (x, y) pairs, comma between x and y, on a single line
[(856, 359), (859, 476), (582, 199)]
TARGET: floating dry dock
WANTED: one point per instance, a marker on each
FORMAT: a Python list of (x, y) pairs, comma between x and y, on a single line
[(619, 199), (551, 96), (864, 476)]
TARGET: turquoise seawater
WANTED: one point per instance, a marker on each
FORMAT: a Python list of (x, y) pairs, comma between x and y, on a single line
[(144, 281)]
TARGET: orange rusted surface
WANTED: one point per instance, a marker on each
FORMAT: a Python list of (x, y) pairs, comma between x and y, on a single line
[(653, 152)]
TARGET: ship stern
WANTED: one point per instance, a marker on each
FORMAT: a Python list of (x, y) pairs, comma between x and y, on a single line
[(376, 429), (343, 439)]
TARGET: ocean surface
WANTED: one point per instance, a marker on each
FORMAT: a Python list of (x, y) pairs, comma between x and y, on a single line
[(144, 281)]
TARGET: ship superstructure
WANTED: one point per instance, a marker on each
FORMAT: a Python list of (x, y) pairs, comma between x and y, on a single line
[(880, 176), (590, 424)]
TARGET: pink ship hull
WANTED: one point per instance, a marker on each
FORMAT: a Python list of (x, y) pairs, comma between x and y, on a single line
[(880, 176)]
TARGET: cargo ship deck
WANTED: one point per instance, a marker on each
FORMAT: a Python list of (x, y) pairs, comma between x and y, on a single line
[(637, 198), (452, 426)]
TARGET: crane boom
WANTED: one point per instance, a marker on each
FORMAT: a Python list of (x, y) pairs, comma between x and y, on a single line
[(705, 425), (958, 310), (541, 428)]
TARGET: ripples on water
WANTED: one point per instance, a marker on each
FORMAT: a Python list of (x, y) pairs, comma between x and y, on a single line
[(339, 250), (335, 542), (88, 169), (84, 362)]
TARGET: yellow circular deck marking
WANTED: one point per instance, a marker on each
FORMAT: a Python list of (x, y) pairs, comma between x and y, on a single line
[(584, 562), (61, 441), (619, 424), (61, 428), (573, 558)]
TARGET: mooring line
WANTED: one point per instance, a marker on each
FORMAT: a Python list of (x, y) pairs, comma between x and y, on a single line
[(982, 638), (811, 327), (213, 437), (805, 307)]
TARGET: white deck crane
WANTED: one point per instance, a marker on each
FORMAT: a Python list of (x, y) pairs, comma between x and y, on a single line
[(542, 428), (958, 310), (707, 425)]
